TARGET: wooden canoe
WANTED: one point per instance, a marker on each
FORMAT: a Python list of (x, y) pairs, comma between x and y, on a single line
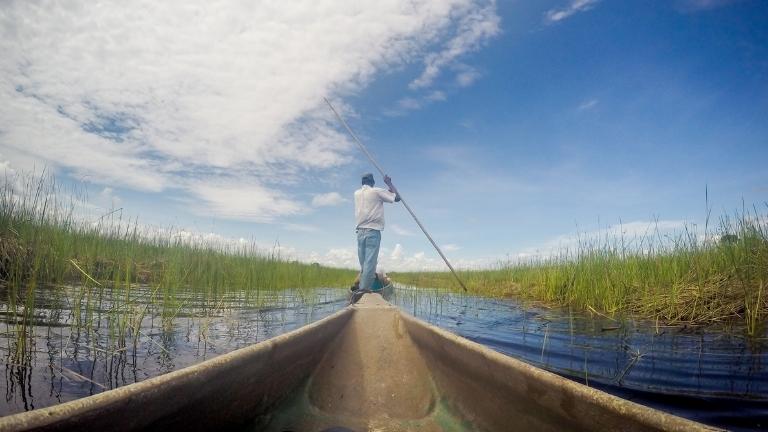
[(367, 367), (386, 291)]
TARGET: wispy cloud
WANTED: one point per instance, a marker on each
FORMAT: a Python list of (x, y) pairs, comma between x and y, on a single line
[(299, 227), (329, 199), (635, 234), (692, 6), (6, 171), (575, 6), (473, 28), (411, 103), (108, 199), (451, 247), (587, 105), (400, 260), (466, 76), (436, 96), (397, 252), (242, 201), (389, 260), (397, 229), (207, 98)]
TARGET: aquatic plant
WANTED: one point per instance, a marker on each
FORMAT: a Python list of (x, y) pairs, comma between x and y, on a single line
[(690, 277), (44, 237), (98, 264)]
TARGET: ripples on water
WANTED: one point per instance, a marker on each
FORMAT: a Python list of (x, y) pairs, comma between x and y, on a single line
[(65, 361), (710, 375), (714, 376)]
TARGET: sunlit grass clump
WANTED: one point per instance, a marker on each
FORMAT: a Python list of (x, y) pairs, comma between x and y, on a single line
[(688, 278)]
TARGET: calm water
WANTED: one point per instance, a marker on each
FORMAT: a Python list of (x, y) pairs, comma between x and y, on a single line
[(712, 376), (709, 375), (66, 362)]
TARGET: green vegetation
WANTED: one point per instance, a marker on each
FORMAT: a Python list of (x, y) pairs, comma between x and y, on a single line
[(46, 240), (719, 277), (43, 240)]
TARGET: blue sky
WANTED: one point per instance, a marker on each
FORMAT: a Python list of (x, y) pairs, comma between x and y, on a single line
[(507, 126)]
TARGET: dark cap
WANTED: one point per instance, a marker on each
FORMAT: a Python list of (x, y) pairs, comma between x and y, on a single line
[(367, 178)]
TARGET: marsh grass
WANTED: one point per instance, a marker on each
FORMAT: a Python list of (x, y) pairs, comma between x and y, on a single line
[(691, 278), (46, 239)]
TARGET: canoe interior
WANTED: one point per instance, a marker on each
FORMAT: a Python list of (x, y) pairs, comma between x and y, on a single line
[(367, 367), (386, 292)]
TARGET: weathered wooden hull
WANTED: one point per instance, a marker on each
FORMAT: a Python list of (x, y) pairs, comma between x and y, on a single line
[(367, 367), (387, 291)]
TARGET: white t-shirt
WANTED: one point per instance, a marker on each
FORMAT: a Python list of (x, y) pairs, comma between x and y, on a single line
[(369, 207)]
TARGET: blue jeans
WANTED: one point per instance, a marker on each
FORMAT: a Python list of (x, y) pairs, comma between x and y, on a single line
[(368, 242)]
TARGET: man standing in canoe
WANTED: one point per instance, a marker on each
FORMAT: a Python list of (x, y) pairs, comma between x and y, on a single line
[(369, 214)]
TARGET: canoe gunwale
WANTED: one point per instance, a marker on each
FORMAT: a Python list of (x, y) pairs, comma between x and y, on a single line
[(484, 386), (442, 346), (81, 411)]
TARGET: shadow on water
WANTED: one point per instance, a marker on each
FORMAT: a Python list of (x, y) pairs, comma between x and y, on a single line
[(61, 353), (715, 376)]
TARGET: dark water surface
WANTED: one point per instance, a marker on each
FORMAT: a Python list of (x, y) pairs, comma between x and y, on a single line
[(714, 376), (77, 352)]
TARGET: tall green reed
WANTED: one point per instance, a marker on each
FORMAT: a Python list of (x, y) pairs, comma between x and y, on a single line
[(688, 277), (47, 237)]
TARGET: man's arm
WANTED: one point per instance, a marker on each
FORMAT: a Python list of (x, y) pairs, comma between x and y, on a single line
[(392, 188)]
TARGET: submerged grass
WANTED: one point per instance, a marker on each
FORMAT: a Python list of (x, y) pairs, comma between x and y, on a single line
[(47, 239), (687, 278)]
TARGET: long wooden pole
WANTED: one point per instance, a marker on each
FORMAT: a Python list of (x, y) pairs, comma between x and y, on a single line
[(402, 200)]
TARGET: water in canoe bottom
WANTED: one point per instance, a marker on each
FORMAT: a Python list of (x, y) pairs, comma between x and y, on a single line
[(296, 413)]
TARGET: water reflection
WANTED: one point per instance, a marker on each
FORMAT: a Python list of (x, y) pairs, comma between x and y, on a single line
[(714, 375), (61, 353), (54, 352)]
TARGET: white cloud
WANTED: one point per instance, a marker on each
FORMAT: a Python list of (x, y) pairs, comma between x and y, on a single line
[(299, 227), (473, 29), (467, 76), (587, 105), (451, 247), (436, 96), (397, 252), (690, 6), (234, 200), (346, 257), (574, 7), (34, 133), (399, 230), (409, 103), (148, 95), (108, 199), (636, 235), (6, 171), (339, 257), (328, 199), (399, 260)]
